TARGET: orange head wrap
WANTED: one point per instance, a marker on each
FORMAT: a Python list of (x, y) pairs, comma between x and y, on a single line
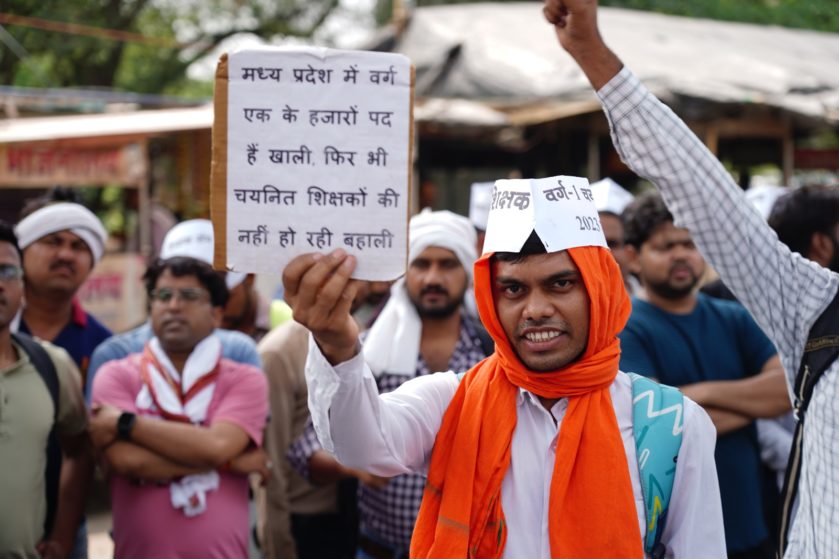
[(592, 511)]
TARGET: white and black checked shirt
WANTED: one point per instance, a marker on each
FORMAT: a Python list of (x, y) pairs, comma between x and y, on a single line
[(391, 512), (784, 292)]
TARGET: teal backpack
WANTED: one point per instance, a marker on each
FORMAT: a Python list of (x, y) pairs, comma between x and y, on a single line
[(657, 424)]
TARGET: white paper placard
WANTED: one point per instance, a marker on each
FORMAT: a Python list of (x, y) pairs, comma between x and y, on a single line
[(318, 145), (560, 209)]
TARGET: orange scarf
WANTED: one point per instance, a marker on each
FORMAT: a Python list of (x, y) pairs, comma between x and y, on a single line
[(592, 510)]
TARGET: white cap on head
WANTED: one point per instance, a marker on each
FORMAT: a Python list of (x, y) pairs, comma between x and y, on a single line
[(764, 196), (393, 341), (610, 197), (560, 210), (480, 196), (64, 216), (443, 229), (194, 239)]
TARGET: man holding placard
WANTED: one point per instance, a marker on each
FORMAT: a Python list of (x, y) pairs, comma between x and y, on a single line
[(532, 452), (423, 328), (790, 297)]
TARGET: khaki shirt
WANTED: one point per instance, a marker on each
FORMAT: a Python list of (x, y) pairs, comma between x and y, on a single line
[(26, 417)]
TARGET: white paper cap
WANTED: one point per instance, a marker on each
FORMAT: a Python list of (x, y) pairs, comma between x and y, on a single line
[(479, 199), (611, 197), (764, 196), (560, 209), (194, 239)]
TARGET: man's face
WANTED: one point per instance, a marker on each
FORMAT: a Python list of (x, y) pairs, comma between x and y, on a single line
[(370, 294), (11, 288), (239, 305), (58, 262), (668, 263), (183, 321), (436, 282), (613, 231), (544, 308)]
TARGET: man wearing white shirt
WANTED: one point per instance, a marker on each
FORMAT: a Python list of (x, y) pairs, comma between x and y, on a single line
[(785, 293), (531, 453)]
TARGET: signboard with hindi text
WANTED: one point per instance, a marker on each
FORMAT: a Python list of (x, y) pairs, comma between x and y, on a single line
[(560, 209), (33, 165), (311, 152)]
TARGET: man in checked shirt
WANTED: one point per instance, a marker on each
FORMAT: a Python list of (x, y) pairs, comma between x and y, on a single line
[(784, 292), (422, 329)]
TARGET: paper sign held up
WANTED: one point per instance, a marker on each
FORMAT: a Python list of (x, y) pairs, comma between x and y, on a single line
[(560, 209), (311, 152)]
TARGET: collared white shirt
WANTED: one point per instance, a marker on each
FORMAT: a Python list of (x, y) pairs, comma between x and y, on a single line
[(394, 434), (783, 291)]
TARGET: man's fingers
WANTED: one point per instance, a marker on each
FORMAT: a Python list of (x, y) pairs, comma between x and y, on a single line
[(343, 307), (312, 296), (294, 272), (334, 289), (556, 13)]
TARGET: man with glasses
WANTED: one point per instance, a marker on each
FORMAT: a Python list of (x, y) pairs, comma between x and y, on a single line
[(41, 408), (180, 426), (193, 239)]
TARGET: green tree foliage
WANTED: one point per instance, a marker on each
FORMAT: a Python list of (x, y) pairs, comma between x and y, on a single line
[(194, 28), (822, 15)]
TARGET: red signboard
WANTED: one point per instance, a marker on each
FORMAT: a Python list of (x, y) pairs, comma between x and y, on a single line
[(46, 166), (817, 159)]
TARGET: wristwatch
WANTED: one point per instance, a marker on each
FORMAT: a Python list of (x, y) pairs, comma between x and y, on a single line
[(125, 424)]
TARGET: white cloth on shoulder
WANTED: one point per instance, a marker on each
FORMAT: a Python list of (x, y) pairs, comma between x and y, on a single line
[(190, 492), (393, 342)]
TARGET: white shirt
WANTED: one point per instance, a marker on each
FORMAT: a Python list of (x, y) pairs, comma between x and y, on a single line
[(394, 434), (783, 291)]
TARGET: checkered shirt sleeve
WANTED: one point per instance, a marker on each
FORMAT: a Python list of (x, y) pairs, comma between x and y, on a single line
[(783, 291), (391, 512), (301, 450)]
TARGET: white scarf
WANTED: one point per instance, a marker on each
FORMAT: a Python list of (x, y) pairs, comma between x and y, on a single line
[(190, 492), (393, 342)]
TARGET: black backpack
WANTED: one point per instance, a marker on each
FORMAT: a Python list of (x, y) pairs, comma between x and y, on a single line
[(821, 350), (46, 369)]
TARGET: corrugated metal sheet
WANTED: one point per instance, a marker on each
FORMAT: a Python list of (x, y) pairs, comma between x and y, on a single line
[(135, 123), (507, 54)]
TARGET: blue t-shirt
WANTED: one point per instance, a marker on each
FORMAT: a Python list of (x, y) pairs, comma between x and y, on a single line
[(235, 346), (79, 337), (717, 341)]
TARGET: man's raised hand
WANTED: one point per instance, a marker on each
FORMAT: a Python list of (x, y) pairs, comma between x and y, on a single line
[(575, 24), (319, 290)]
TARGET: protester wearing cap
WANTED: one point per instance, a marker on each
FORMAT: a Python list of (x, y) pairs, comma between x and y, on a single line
[(531, 453), (245, 310), (479, 202), (61, 244), (611, 199), (423, 328), (193, 239)]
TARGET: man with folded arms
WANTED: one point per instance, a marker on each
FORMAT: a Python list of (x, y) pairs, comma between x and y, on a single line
[(179, 426)]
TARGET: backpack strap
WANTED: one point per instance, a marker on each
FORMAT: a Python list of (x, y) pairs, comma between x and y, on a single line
[(657, 424), (46, 369), (820, 352)]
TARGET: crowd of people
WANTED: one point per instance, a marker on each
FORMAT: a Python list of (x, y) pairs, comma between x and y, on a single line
[(328, 436)]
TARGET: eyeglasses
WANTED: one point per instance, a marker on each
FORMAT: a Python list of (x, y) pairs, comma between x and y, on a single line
[(187, 295), (9, 272)]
